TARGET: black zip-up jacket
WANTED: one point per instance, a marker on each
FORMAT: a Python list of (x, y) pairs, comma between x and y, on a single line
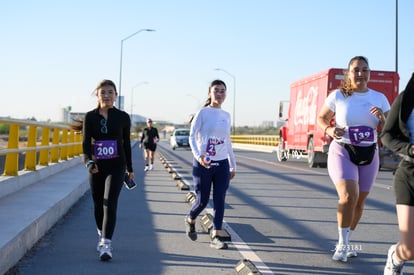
[(395, 134), (118, 127), (149, 134)]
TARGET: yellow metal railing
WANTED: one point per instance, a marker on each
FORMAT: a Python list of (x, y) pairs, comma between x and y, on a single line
[(56, 142), (52, 143), (265, 140)]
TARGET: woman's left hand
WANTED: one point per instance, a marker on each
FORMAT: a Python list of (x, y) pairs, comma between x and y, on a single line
[(232, 174), (131, 175)]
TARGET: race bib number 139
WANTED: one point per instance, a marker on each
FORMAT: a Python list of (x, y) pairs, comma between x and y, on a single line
[(357, 134)]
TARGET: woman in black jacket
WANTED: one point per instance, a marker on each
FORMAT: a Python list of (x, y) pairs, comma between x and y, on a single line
[(150, 139), (398, 135), (107, 155)]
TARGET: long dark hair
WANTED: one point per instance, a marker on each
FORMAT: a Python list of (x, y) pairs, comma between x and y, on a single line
[(105, 82), (213, 83), (77, 124), (208, 101), (346, 86)]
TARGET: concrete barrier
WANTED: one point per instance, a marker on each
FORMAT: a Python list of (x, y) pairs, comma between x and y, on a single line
[(11, 184), (253, 147), (43, 197)]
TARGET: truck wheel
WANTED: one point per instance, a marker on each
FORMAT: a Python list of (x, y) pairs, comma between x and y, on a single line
[(311, 154), (281, 153), (315, 159)]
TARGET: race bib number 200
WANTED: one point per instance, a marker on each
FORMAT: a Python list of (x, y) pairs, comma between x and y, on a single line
[(105, 149)]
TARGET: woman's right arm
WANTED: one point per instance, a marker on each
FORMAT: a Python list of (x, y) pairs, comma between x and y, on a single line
[(87, 139)]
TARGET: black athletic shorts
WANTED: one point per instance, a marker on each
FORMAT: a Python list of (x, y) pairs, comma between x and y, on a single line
[(404, 183), (150, 146)]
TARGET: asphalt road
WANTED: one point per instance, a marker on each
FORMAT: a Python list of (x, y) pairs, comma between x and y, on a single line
[(282, 216)]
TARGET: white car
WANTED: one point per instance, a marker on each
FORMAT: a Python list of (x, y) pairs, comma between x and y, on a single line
[(179, 138)]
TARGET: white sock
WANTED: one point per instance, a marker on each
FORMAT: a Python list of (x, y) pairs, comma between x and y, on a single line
[(350, 234), (105, 241), (343, 235)]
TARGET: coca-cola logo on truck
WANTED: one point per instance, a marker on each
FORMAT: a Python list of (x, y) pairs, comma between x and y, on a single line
[(305, 108)]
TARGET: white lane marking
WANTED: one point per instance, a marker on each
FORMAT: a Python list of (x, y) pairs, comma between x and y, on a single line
[(238, 243), (245, 250), (242, 247)]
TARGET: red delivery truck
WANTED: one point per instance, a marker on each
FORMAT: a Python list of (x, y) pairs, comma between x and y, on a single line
[(299, 135)]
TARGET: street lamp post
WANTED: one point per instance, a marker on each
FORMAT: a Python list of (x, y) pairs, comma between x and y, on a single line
[(234, 97), (120, 63), (132, 94), (396, 36)]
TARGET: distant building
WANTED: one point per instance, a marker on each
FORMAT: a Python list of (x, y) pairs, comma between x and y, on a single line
[(267, 124), (65, 114), (135, 119)]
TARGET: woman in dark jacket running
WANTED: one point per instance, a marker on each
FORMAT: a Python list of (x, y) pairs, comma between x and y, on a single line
[(150, 139), (398, 135)]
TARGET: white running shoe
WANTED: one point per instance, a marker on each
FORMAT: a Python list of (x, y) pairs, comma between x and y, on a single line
[(390, 267), (146, 168), (340, 253), (218, 244), (98, 247), (151, 167), (105, 252), (351, 252)]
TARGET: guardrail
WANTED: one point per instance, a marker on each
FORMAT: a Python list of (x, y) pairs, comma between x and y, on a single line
[(66, 143), (266, 140), (56, 142)]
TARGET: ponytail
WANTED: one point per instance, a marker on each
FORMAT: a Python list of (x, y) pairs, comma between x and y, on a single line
[(208, 101)]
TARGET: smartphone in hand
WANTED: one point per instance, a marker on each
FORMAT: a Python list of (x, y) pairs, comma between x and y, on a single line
[(129, 184)]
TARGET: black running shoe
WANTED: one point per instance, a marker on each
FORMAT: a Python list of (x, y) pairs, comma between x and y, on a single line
[(190, 230)]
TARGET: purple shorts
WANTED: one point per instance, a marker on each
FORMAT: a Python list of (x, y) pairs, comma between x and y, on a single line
[(340, 167)]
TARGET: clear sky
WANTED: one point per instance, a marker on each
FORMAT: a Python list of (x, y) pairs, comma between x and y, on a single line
[(53, 53)]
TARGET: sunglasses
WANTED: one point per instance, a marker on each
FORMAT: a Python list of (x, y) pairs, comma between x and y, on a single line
[(104, 129)]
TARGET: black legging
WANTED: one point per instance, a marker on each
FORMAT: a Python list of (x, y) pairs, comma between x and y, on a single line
[(106, 187)]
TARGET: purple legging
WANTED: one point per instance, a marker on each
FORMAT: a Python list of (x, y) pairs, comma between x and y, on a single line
[(217, 176), (340, 167)]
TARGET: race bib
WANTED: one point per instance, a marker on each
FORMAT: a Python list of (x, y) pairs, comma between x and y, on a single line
[(210, 150), (357, 134), (105, 149), (211, 145)]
